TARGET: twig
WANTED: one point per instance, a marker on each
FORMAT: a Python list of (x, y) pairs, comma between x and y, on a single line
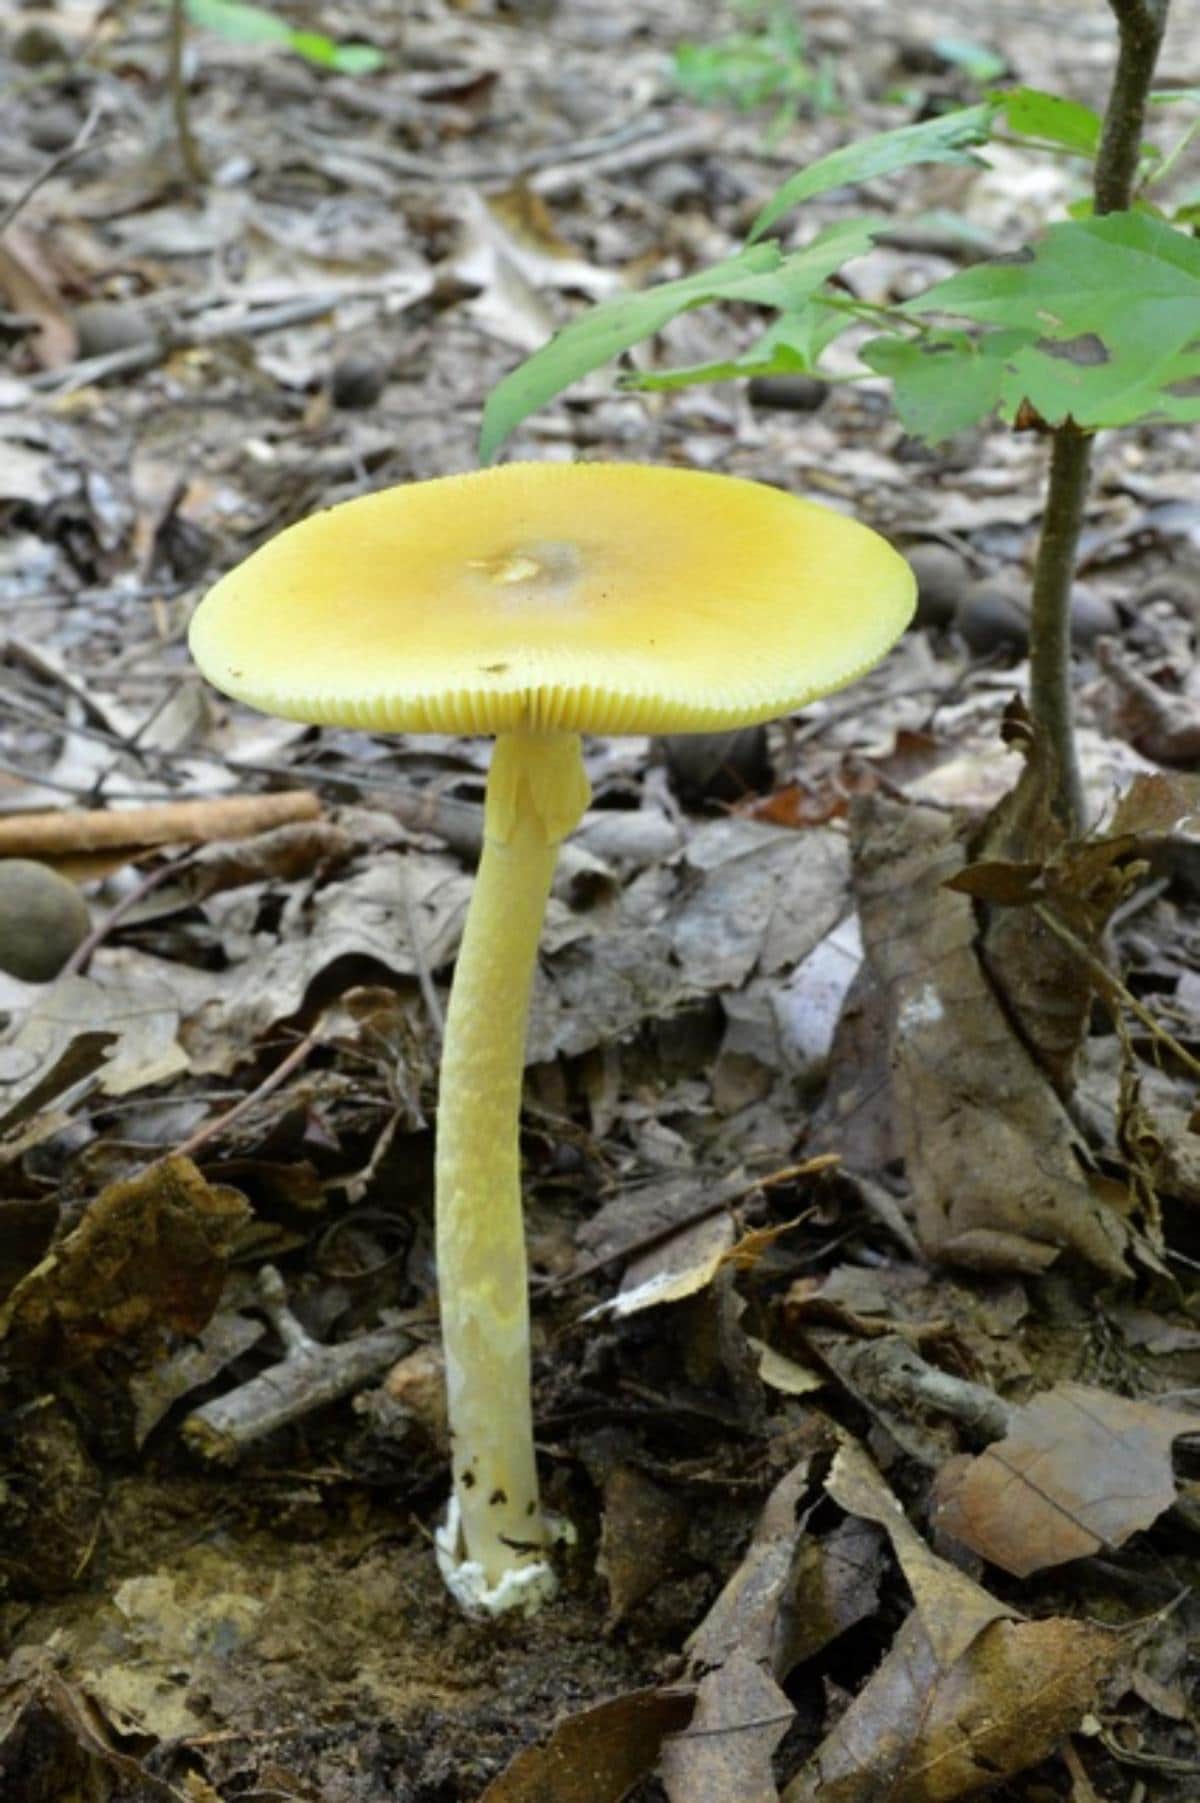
[(429, 994), (68, 832), (310, 1376), (215, 1128), (87, 948), (134, 359), (193, 162), (79, 143), (1113, 988), (683, 141)]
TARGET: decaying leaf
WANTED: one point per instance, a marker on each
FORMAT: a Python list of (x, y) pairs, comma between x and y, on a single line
[(737, 1655), (746, 1614), (595, 1756), (953, 1609), (835, 1584), (80, 1032), (1080, 1471), (686, 1264), (641, 1538), (55, 1742), (919, 1732), (725, 1751), (997, 1168), (148, 1257)]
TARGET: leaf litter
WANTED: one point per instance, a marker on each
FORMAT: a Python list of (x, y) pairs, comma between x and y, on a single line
[(861, 1206)]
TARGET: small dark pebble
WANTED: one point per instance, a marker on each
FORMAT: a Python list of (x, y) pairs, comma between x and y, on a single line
[(54, 127), (357, 380), (993, 615), (36, 45), (43, 918), (105, 326), (1093, 616), (676, 184), (942, 578), (789, 394), (718, 766)]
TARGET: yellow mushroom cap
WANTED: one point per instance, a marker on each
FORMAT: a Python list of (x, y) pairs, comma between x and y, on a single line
[(592, 597)]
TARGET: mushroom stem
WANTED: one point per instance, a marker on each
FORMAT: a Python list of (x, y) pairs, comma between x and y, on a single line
[(492, 1549)]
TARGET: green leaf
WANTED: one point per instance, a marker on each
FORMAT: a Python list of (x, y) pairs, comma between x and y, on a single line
[(946, 139), (791, 346), (761, 276), (1110, 313), (1032, 113), (346, 59), (241, 23), (945, 382), (979, 61), (606, 330)]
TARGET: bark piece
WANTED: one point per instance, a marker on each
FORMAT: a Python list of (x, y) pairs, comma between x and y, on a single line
[(70, 831)]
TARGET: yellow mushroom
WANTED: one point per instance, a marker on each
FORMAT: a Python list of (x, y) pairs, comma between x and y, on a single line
[(536, 602)]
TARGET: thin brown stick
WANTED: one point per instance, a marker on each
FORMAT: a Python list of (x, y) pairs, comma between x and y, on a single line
[(80, 142), (70, 832), (1114, 989), (283, 1070), (189, 151)]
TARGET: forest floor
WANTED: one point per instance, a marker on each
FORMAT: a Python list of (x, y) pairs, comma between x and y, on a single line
[(888, 1486)]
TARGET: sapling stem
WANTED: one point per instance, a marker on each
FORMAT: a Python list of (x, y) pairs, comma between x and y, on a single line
[(193, 162), (537, 792), (1140, 27)]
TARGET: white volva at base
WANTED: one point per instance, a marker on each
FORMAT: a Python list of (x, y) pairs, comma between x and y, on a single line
[(525, 1587)]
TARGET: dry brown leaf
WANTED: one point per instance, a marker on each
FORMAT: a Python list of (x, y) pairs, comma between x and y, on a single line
[(726, 1749), (747, 1614), (835, 1584), (641, 1537), (953, 1609), (54, 1741), (595, 1756), (148, 1257), (994, 1161), (1081, 1470), (28, 285), (917, 1734)]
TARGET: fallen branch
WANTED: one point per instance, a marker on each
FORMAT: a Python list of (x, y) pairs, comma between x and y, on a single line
[(310, 1376), (67, 833)]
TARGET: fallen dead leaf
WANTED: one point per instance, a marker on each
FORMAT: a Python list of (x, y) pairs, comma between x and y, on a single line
[(726, 1750), (919, 1732), (641, 1537), (994, 1161), (595, 1756), (1080, 1471), (953, 1609), (148, 1257)]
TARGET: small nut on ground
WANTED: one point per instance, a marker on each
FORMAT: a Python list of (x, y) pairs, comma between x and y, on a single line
[(942, 576), (43, 919)]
